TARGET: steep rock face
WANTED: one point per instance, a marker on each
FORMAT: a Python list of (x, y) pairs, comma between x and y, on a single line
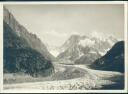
[(84, 49), (87, 59), (19, 56), (69, 48), (113, 60), (33, 41)]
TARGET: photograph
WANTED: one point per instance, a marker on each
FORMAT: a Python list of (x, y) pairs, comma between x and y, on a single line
[(63, 47)]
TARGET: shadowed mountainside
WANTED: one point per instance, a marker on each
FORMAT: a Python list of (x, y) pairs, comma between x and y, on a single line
[(113, 60), (32, 40), (20, 55)]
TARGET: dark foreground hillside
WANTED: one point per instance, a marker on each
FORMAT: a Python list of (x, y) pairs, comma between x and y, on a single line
[(19, 57), (113, 60)]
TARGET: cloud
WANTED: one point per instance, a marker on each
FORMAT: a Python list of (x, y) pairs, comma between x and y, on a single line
[(56, 37), (56, 33), (74, 33)]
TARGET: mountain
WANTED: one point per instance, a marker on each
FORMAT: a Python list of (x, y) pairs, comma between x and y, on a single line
[(54, 50), (85, 49), (113, 60), (33, 41), (21, 53)]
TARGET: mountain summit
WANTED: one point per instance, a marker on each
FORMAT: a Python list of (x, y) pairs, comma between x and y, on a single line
[(77, 48)]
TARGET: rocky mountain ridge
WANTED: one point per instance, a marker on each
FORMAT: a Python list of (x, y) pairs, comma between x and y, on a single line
[(78, 48)]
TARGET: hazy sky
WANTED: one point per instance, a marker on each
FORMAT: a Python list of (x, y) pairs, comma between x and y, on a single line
[(55, 23)]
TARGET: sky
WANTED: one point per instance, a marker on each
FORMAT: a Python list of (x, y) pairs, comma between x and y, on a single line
[(55, 23)]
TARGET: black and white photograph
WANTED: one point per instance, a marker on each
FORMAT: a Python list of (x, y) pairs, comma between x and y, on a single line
[(63, 47)]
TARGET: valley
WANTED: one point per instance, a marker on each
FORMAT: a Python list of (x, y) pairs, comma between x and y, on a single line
[(73, 77), (82, 62)]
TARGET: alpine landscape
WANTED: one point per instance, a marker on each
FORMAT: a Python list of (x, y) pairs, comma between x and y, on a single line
[(89, 61)]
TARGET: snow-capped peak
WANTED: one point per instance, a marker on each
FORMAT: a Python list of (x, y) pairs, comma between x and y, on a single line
[(86, 42), (52, 49), (98, 35)]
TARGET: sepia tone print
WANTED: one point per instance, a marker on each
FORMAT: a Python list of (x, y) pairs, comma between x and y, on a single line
[(64, 47)]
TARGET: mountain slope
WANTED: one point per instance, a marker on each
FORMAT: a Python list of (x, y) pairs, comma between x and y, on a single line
[(19, 56), (33, 41), (113, 60), (81, 49)]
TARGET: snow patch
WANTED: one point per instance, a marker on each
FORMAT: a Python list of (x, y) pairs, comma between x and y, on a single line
[(86, 42), (104, 52), (81, 54), (101, 53), (110, 42), (54, 53), (92, 52), (98, 35)]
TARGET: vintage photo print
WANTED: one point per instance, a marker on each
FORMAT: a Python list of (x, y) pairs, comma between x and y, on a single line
[(73, 47)]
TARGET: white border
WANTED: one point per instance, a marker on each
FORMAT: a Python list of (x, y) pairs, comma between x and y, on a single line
[(67, 2), (126, 45), (1, 47), (71, 91)]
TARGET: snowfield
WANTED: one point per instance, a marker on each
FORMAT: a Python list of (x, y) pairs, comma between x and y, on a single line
[(73, 77)]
